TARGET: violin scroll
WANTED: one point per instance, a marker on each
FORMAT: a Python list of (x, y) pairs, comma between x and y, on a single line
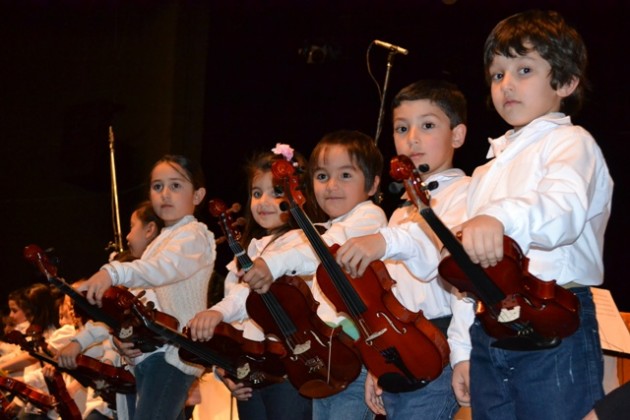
[(286, 176), (220, 210), (403, 170)]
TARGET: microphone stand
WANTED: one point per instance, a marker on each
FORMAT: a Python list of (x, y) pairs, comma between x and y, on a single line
[(381, 112)]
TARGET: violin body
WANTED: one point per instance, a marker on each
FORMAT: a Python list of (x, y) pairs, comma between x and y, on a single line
[(402, 348), (117, 302), (322, 360), (550, 310), (104, 376), (27, 393), (255, 363)]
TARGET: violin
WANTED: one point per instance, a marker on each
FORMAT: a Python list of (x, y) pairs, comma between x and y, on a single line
[(66, 406), (521, 311), (403, 349), (27, 393), (322, 360), (115, 311), (257, 364), (7, 411), (105, 379)]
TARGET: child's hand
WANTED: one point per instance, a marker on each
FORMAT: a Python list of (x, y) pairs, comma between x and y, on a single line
[(48, 371), (461, 383), (258, 277), (238, 391), (67, 356), (373, 394), (357, 253), (482, 238), (96, 286), (203, 324), (126, 348)]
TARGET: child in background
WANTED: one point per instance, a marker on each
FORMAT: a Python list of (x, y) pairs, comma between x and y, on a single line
[(267, 227), (144, 227), (15, 320), (548, 188), (344, 171), (90, 406), (429, 121), (177, 264), (38, 304)]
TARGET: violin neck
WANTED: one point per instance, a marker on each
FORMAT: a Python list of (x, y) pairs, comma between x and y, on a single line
[(91, 310), (487, 290), (241, 255), (351, 298)]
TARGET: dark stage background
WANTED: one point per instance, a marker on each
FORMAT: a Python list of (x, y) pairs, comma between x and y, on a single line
[(217, 80)]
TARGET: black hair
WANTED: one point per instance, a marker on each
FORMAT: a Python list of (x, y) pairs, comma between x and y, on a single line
[(447, 96), (262, 162), (192, 171), (361, 149), (547, 33)]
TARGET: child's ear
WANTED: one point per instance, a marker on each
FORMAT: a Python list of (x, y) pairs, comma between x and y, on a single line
[(377, 182), (459, 136), (568, 88), (151, 230), (198, 196)]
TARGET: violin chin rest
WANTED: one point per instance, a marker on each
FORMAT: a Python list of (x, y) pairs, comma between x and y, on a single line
[(395, 382), (527, 343)]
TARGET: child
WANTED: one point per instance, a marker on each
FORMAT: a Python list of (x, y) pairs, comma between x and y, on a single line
[(429, 121), (344, 171), (267, 227), (32, 307), (547, 188), (144, 227), (177, 264), (90, 405)]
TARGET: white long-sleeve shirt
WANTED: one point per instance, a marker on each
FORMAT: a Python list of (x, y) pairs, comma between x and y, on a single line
[(551, 189), (177, 265)]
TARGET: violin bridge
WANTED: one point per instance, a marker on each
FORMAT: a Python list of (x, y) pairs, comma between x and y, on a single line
[(301, 348), (375, 335)]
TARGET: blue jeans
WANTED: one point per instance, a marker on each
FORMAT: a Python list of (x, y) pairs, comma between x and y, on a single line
[(559, 383), (436, 401), (161, 389), (349, 404), (275, 402)]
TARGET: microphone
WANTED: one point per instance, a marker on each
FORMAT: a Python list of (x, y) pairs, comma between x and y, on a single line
[(391, 47)]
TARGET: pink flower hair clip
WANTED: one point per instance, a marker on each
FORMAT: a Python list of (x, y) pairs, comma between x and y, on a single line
[(284, 150)]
